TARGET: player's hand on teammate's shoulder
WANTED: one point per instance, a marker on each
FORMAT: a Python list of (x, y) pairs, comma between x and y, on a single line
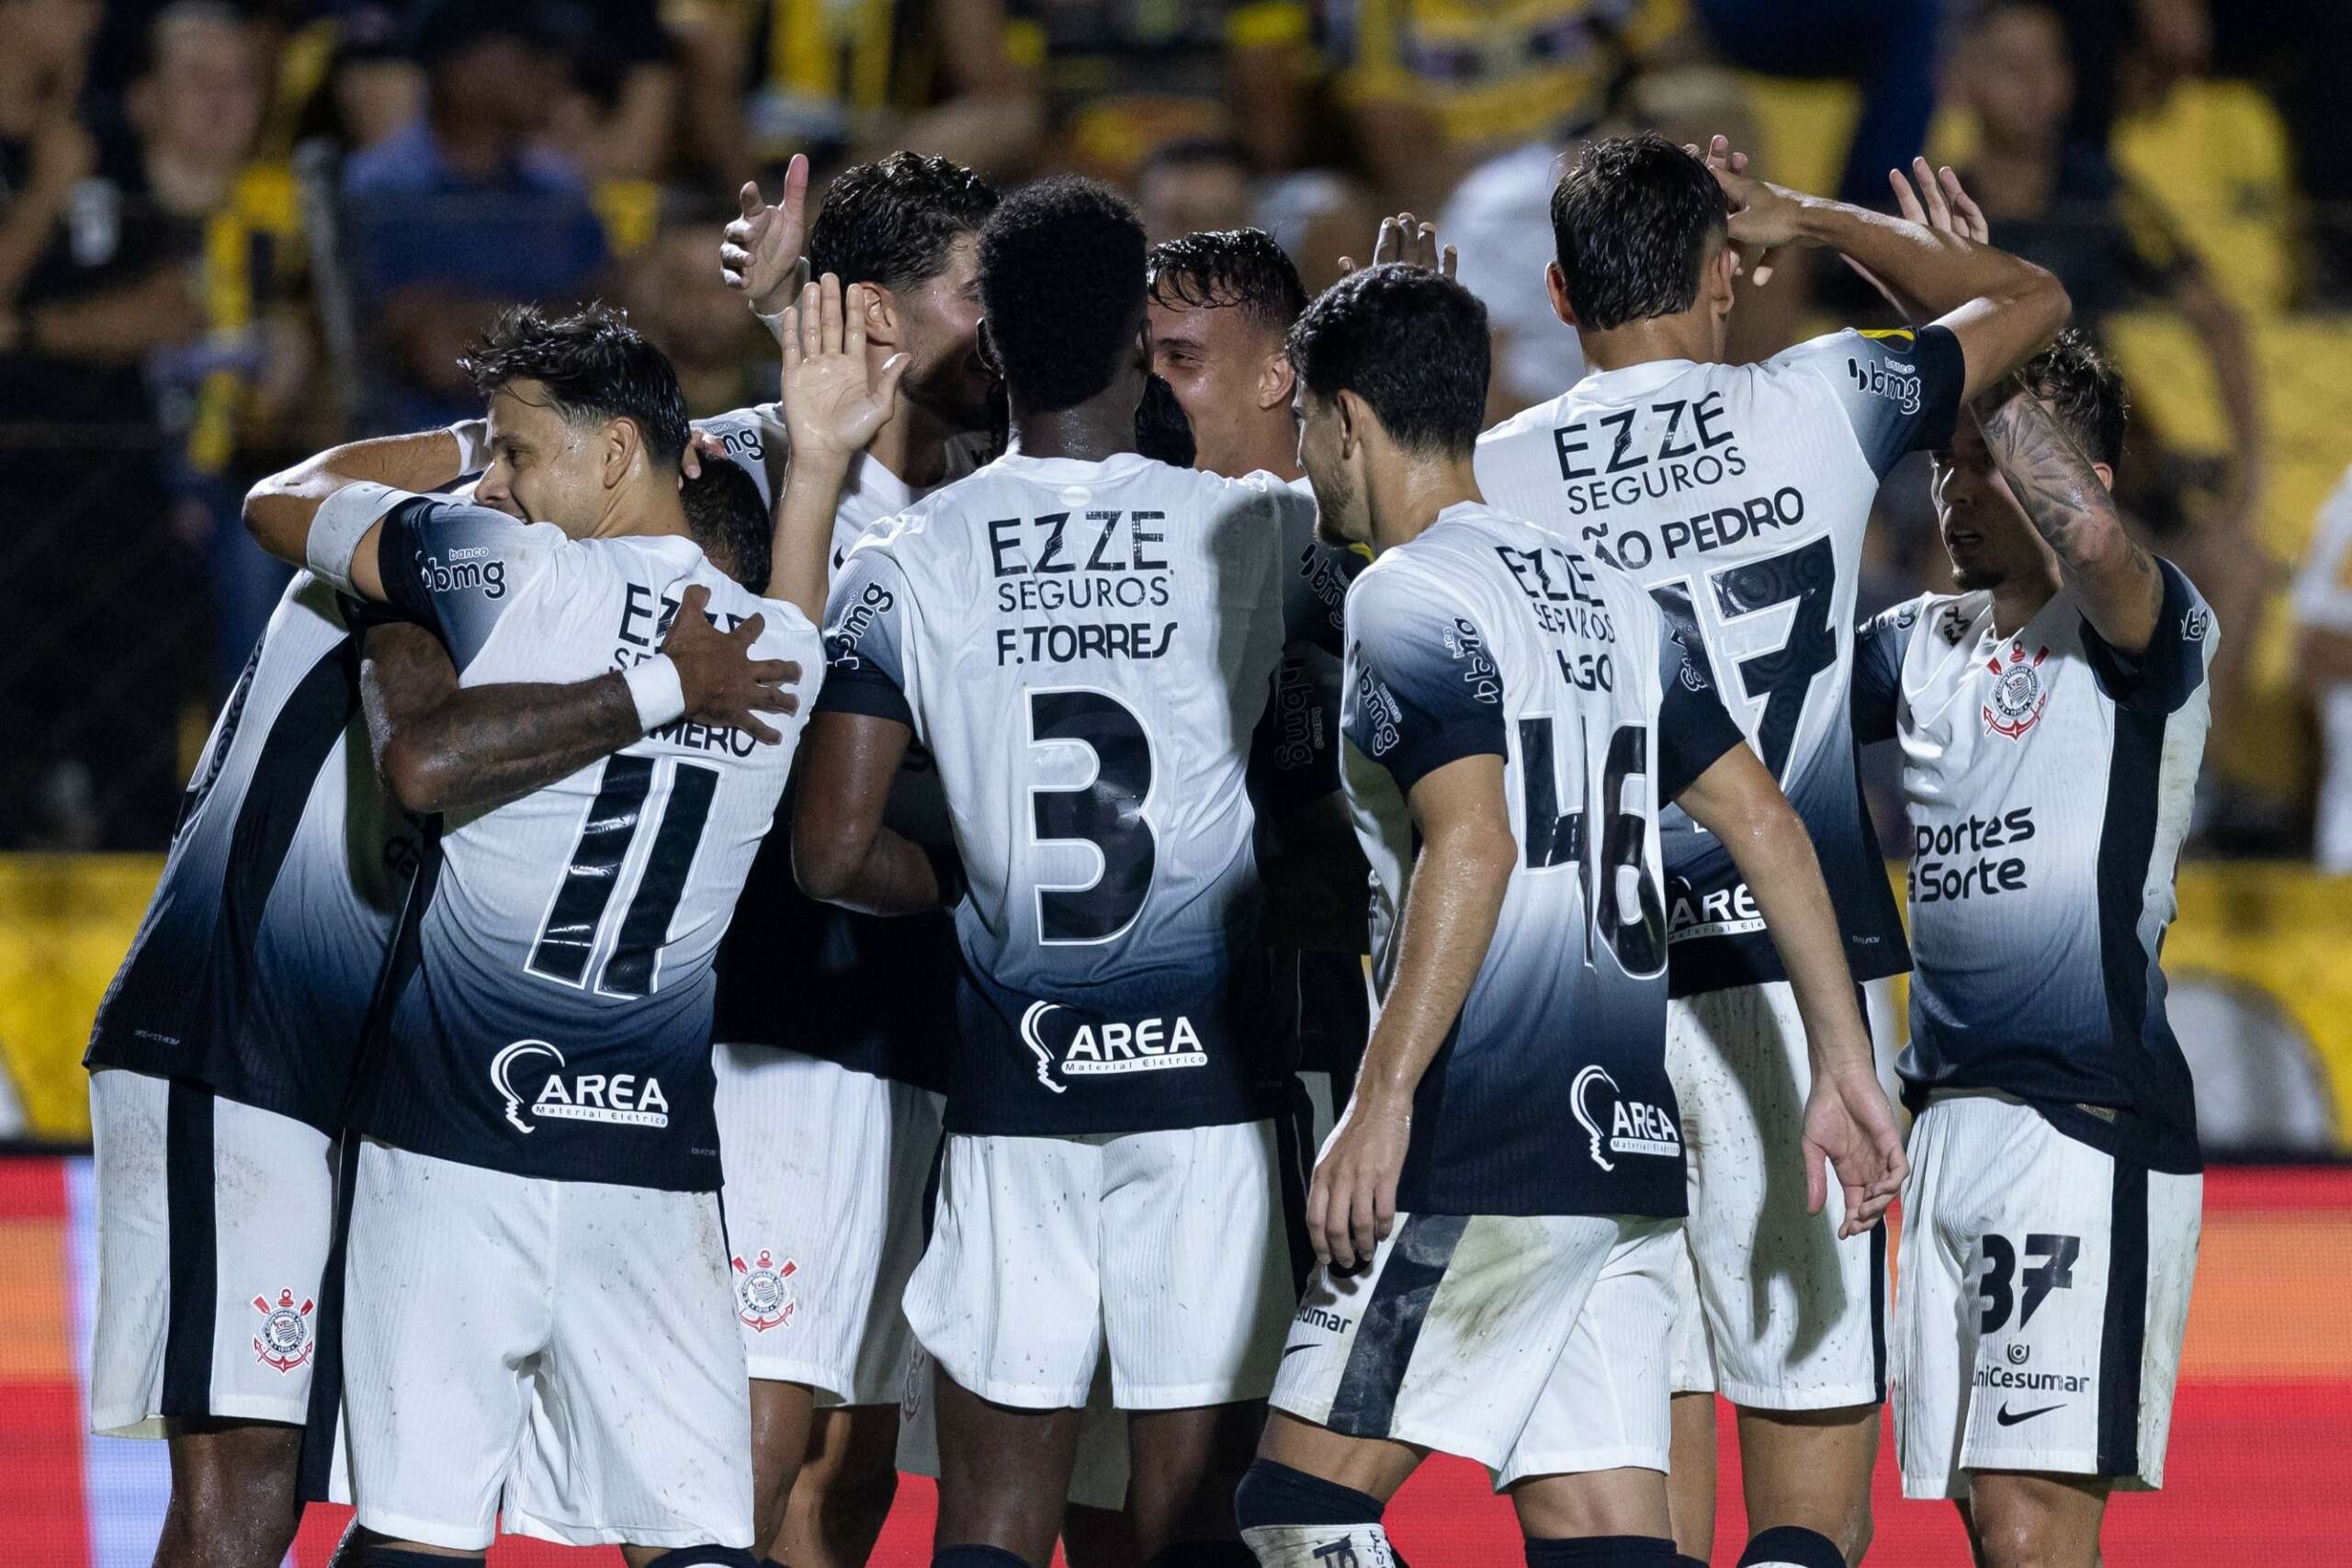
[(1352, 1203), (1850, 1124), (832, 400), (726, 687), (1405, 238), (759, 254)]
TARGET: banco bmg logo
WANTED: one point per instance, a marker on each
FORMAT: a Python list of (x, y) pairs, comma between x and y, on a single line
[(623, 1099)]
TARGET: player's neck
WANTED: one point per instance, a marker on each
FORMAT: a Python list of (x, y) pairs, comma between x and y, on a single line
[(2021, 598), (1690, 335), (1103, 426), (912, 443), (1407, 498), (643, 510), (1272, 445)]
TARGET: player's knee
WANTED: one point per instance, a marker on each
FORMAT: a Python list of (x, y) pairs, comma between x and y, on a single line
[(1601, 1551), (224, 1522), (858, 1498), (1793, 1546), (1292, 1520)]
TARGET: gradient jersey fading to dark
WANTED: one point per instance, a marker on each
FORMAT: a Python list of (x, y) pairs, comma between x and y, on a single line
[(253, 967), (2050, 779), (1737, 496), (872, 995), (547, 1008), (1086, 650), (1487, 635)]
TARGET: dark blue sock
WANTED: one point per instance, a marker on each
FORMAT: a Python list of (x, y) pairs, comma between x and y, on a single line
[(771, 1562), (975, 1555), (1204, 1555), (362, 1555), (1272, 1494), (706, 1557), (1601, 1551), (1791, 1546)]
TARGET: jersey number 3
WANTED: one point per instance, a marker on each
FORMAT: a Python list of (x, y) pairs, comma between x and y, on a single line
[(1107, 811), (568, 942)]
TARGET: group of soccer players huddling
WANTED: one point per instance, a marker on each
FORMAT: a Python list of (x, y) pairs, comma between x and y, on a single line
[(611, 1061)]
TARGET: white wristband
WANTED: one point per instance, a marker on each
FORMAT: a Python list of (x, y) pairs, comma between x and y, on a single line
[(654, 687), (341, 520), (472, 436), (775, 325)]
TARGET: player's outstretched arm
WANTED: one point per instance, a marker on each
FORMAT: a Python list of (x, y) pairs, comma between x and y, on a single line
[(840, 850), (1848, 1119), (282, 511), (1442, 932), (2114, 578), (2002, 308), (834, 402), (442, 747)]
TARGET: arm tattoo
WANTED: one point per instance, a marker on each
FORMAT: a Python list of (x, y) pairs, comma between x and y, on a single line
[(2055, 483)]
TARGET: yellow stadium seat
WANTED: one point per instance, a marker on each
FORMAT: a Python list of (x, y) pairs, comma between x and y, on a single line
[(1806, 126), (2215, 157)]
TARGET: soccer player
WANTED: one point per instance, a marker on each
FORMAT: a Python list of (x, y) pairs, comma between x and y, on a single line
[(538, 1320), (222, 1053), (2052, 714), (828, 1106), (1737, 496), (1084, 641), (1496, 1213)]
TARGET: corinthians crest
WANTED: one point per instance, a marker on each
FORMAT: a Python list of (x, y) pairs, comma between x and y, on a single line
[(284, 1341), (2019, 692), (761, 1297)]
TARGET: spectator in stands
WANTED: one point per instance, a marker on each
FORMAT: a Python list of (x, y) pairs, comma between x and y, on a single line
[(463, 212), (1196, 184), (618, 120), (2062, 204), (725, 360), (1888, 48), (1435, 87), (2323, 607)]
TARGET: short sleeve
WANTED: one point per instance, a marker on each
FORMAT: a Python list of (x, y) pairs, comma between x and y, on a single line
[(1315, 577), (2323, 592), (1422, 689), (2167, 673), (455, 568), (867, 636), (1879, 644), (1694, 729), (1900, 390), (752, 438)]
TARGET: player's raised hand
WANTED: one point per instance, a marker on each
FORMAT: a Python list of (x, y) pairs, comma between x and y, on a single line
[(1352, 1203), (1404, 239), (726, 687), (833, 400), (1762, 214), (1937, 202), (1849, 1126), (760, 253)]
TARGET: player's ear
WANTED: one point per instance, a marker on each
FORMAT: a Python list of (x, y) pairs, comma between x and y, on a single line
[(1721, 270), (1555, 283), (2106, 475), (622, 442), (986, 348), (1276, 380), (1353, 418), (881, 315)]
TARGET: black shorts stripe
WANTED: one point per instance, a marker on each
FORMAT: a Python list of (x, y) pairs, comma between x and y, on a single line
[(325, 1414), (1878, 1314), (1295, 1162), (2123, 1336), (193, 1246), (1366, 1400)]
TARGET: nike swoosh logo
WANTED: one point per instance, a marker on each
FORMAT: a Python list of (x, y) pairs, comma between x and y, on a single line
[(1290, 1350), (2007, 1418)]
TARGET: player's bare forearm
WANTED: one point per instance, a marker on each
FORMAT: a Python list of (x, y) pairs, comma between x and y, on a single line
[(800, 561), (1736, 800), (2114, 578), (2002, 308), (842, 853), (280, 509), (442, 747), (1442, 932)]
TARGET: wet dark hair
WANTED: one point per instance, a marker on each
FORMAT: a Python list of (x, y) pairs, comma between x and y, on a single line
[(2085, 390), (1410, 343), (594, 366), (1061, 285), (1217, 270), (1631, 225), (893, 220), (727, 518)]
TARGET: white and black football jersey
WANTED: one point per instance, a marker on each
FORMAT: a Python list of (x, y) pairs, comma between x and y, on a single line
[(1737, 495), (253, 967), (1086, 650), (546, 1011), (2050, 779), (1489, 636)]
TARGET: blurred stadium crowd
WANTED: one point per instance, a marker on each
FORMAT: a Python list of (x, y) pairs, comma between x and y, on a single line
[(234, 233)]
